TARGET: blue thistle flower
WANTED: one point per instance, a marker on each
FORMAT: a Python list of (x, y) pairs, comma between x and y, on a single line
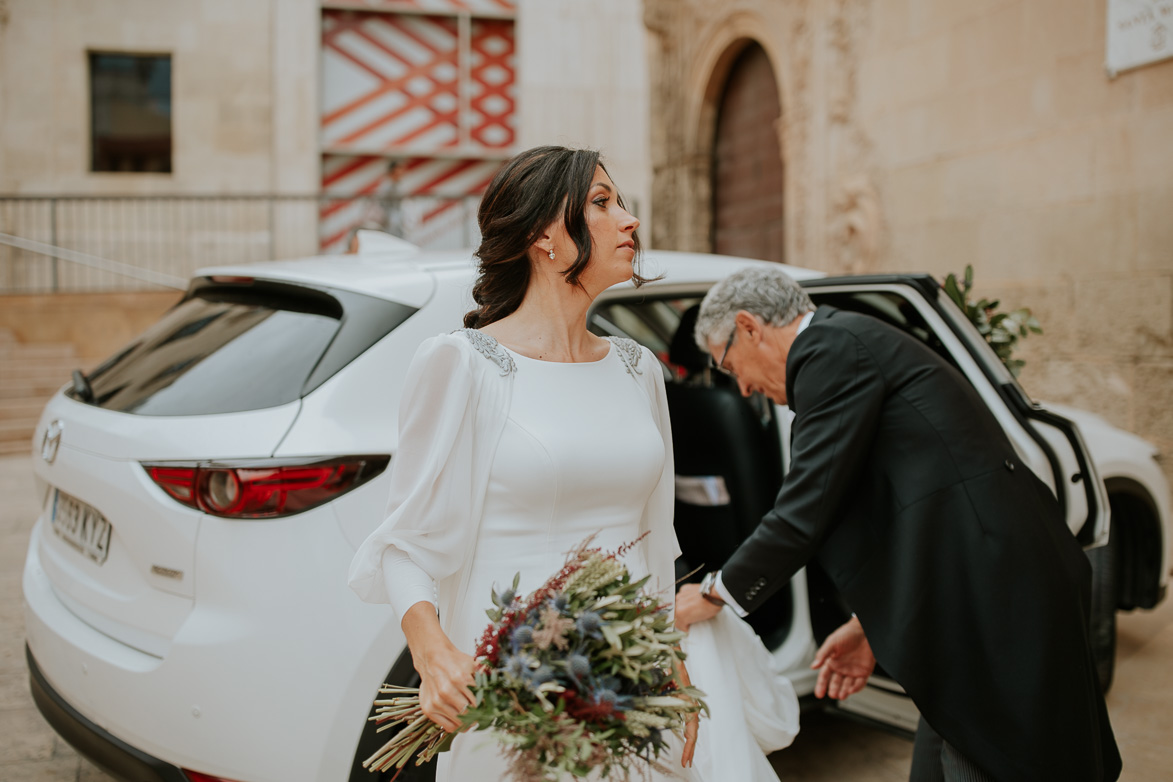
[(515, 666), (580, 666), (588, 624), (540, 675), (560, 601), (523, 635), (606, 696)]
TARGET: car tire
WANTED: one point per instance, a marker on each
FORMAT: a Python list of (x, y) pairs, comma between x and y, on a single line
[(1105, 598)]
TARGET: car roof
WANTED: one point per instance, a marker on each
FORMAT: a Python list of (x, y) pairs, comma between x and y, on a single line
[(409, 275)]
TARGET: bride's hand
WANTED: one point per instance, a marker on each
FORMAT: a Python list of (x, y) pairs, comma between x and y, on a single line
[(445, 678), (445, 671)]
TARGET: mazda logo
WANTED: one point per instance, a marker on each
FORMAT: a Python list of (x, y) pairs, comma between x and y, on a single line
[(51, 441)]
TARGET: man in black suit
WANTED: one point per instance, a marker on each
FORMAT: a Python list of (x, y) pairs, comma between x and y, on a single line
[(952, 554)]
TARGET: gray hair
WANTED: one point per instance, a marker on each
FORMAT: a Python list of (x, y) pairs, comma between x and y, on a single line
[(765, 291)]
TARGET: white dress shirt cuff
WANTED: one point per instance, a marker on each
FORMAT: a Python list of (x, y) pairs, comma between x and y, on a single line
[(407, 583), (723, 593)]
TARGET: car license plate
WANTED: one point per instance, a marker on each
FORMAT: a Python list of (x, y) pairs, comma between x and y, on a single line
[(80, 526)]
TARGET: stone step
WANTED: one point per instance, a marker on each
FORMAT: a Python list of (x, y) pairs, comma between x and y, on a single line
[(31, 388), (15, 448), (19, 350), (19, 379), (20, 445), (16, 375), (35, 387), (22, 409), (16, 436), (30, 373), (33, 363)]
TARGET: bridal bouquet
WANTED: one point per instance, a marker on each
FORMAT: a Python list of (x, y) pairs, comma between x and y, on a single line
[(577, 676)]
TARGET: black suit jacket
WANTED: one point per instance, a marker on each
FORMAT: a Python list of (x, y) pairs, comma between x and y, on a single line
[(973, 592)]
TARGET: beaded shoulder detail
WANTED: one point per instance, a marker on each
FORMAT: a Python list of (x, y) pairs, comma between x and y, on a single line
[(490, 349), (629, 353)]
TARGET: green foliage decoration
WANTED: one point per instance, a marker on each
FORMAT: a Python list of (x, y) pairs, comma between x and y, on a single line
[(1001, 330)]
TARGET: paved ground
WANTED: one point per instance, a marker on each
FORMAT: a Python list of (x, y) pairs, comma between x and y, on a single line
[(828, 749)]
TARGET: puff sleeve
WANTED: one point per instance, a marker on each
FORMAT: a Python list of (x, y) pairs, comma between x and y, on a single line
[(437, 479), (662, 546)]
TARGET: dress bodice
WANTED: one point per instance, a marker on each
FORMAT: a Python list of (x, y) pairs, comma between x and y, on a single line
[(579, 455)]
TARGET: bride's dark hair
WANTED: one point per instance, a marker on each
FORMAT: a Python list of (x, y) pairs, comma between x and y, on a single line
[(522, 200)]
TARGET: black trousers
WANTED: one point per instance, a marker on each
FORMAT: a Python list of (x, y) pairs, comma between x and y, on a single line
[(936, 760)]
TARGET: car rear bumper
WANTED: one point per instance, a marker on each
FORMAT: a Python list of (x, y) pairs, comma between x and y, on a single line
[(109, 753), (247, 652)]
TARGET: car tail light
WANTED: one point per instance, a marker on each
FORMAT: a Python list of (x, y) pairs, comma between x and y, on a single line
[(263, 488), (195, 776)]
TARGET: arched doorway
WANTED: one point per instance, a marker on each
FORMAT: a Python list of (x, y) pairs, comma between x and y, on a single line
[(747, 161)]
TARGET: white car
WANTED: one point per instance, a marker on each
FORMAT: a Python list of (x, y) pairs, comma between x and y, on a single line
[(187, 611)]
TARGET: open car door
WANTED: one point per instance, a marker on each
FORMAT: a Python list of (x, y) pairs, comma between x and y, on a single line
[(1047, 442)]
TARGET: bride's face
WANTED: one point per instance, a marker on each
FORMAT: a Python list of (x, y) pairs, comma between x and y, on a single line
[(612, 236)]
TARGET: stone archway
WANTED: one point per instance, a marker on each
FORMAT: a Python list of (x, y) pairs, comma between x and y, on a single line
[(747, 173)]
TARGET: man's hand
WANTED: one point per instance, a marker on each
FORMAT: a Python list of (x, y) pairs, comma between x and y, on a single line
[(692, 608), (845, 661)]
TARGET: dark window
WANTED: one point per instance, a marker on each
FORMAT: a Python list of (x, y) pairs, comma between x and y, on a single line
[(232, 347), (654, 322), (130, 112), (650, 322)]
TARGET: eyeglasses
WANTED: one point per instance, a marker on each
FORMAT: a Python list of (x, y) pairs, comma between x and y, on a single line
[(720, 365)]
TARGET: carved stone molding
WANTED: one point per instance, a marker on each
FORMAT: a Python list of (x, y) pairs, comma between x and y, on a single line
[(855, 215), (856, 226)]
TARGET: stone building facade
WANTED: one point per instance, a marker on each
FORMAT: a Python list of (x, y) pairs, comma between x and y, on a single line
[(291, 123), (925, 135), (844, 135), (343, 109), (243, 99)]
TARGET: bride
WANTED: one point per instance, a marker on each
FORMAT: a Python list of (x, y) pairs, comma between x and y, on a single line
[(522, 434)]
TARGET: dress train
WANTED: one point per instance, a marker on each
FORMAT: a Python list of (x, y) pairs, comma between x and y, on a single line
[(754, 710)]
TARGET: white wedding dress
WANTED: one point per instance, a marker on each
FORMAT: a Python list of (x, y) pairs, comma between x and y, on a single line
[(580, 449)]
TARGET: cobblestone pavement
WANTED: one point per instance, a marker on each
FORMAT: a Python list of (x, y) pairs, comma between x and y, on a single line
[(828, 749)]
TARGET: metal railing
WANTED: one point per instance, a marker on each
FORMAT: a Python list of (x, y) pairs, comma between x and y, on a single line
[(105, 243)]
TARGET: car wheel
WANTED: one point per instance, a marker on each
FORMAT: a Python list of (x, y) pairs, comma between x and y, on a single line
[(1105, 598), (402, 674)]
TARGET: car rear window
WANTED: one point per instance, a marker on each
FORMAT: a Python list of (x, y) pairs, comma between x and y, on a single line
[(243, 345)]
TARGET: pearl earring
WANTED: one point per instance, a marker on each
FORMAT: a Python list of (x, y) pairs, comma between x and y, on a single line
[(551, 255)]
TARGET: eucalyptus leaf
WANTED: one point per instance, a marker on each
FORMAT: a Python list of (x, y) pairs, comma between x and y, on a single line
[(1001, 330)]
